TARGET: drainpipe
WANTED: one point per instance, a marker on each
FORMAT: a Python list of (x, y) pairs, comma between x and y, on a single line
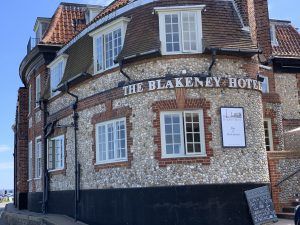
[(213, 60), (77, 164), (48, 130), (122, 71)]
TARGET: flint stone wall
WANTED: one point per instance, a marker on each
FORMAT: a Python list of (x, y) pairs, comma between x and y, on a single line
[(230, 165)]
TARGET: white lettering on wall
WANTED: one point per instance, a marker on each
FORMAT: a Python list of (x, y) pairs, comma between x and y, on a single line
[(193, 82)]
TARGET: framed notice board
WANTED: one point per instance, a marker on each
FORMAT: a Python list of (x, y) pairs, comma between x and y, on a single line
[(233, 127), (261, 205)]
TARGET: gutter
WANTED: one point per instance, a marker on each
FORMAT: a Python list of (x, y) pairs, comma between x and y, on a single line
[(236, 50)]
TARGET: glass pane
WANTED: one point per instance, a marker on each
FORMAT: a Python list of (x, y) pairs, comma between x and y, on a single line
[(168, 119), (169, 37), (169, 139), (168, 18), (188, 117), (169, 149), (177, 149), (190, 148), (177, 139), (168, 129), (169, 48), (168, 29), (196, 137), (174, 18), (189, 127), (189, 137), (197, 148), (176, 119), (176, 47)]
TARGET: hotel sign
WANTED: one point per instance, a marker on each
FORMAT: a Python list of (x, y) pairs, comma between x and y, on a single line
[(191, 82), (233, 127)]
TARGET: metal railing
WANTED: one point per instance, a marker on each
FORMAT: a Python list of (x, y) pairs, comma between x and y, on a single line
[(288, 177), (32, 42)]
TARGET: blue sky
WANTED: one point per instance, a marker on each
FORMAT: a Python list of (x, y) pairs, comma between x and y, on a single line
[(17, 21)]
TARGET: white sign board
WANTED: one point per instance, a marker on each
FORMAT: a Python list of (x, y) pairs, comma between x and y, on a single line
[(233, 127)]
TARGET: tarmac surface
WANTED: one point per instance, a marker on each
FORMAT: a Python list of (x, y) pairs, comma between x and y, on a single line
[(2, 206), (58, 219)]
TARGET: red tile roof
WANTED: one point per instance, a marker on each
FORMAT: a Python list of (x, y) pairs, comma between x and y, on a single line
[(111, 7), (60, 30), (288, 39)]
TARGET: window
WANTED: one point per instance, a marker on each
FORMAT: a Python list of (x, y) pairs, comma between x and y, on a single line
[(30, 160), (57, 68), (29, 99), (108, 43), (268, 134), (38, 157), (180, 29), (265, 85), (56, 153), (37, 90), (274, 41), (111, 141), (182, 134)]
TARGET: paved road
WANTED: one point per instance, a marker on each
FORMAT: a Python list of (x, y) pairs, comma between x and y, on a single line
[(1, 209)]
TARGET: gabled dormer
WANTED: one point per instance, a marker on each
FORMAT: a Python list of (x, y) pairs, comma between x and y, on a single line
[(91, 12), (40, 27)]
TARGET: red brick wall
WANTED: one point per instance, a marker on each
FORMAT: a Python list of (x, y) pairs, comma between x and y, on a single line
[(22, 141), (275, 175), (259, 25)]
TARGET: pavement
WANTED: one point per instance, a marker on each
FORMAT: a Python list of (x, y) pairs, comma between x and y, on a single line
[(2, 206), (12, 216)]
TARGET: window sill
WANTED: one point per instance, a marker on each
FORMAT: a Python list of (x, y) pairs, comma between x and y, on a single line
[(109, 162), (183, 156), (105, 70), (55, 170), (182, 53), (37, 178), (114, 164)]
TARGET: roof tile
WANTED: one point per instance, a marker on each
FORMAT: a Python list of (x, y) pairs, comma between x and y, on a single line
[(288, 40), (60, 30)]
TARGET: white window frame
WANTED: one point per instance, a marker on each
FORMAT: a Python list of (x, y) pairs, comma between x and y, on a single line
[(30, 161), (52, 66), (266, 81), (37, 90), (183, 152), (120, 23), (269, 121), (163, 11), (62, 138), (38, 157), (98, 161), (29, 99)]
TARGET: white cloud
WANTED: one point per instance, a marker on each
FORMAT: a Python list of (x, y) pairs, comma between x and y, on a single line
[(6, 165), (4, 148)]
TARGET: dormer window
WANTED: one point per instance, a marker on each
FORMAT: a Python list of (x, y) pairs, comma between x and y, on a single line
[(108, 42), (40, 27), (91, 13), (57, 68), (180, 29), (274, 41)]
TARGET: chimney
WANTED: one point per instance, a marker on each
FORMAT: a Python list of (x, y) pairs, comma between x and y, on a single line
[(258, 16)]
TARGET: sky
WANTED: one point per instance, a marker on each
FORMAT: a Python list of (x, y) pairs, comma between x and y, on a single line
[(16, 22)]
